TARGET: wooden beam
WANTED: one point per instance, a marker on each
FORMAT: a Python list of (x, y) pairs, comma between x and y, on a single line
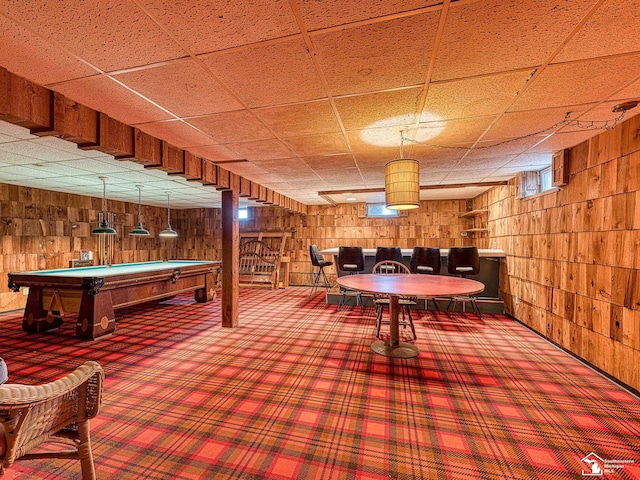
[(24, 103), (255, 191), (73, 121), (230, 259), (172, 159), (224, 179), (192, 166), (209, 173), (147, 150), (245, 187), (115, 138)]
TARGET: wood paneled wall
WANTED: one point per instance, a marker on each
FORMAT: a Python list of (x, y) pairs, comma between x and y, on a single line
[(40, 229), (572, 271), (435, 223)]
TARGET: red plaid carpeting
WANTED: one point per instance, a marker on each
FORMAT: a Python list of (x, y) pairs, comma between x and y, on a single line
[(295, 392)]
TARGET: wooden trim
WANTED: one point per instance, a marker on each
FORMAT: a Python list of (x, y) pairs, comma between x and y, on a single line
[(560, 168)]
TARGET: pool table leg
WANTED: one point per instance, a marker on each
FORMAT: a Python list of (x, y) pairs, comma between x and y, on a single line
[(36, 319), (208, 293), (95, 318)]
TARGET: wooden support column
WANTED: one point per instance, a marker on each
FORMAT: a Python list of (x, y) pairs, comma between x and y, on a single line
[(230, 258)]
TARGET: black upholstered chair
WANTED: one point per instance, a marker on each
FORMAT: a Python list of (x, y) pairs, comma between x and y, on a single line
[(317, 260), (388, 253), (406, 304), (350, 260), (426, 261), (463, 261)]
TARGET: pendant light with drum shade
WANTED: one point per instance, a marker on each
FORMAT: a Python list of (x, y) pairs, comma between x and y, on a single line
[(139, 231), (402, 182), (168, 232), (104, 228)]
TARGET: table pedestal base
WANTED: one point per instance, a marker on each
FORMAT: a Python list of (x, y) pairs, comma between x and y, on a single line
[(403, 350)]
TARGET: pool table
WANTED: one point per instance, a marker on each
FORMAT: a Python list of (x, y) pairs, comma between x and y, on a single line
[(95, 292)]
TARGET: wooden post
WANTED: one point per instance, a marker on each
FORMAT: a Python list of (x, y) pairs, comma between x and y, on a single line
[(230, 258)]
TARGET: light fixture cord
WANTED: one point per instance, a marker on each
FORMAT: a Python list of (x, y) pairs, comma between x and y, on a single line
[(139, 205), (168, 212)]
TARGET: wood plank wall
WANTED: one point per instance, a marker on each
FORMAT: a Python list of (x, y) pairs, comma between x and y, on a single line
[(572, 271), (40, 229), (435, 223)]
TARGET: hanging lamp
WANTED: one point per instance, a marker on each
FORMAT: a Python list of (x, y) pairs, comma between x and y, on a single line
[(104, 228), (402, 182), (168, 232), (139, 231)]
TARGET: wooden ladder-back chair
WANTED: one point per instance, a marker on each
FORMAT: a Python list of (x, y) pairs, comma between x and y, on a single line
[(31, 415), (392, 267)]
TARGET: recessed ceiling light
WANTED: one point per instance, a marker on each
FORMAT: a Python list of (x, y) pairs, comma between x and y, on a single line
[(351, 199)]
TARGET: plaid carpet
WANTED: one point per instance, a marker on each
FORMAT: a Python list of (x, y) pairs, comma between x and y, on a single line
[(296, 392)]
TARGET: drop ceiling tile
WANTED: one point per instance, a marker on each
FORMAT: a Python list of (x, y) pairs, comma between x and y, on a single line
[(611, 30), (268, 74), (336, 162), (215, 153), (17, 172), (107, 96), (96, 167), (98, 32), (543, 121), (467, 175), (317, 15), (26, 54), (498, 36), (208, 26), (484, 163), (565, 84), (428, 154), (182, 87), (232, 127), (38, 151), (450, 133), (375, 57), (530, 159), (493, 149), (261, 150), (560, 141), (15, 132), (177, 133), (473, 97), (300, 119), (377, 110), (326, 144)]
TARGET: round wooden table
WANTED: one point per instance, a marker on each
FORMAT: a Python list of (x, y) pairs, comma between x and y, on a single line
[(409, 285)]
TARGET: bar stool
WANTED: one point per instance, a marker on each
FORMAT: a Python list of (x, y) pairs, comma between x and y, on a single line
[(351, 260), (388, 253), (463, 261), (426, 261), (317, 260)]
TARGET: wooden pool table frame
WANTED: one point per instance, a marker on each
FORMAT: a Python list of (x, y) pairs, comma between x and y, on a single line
[(95, 292)]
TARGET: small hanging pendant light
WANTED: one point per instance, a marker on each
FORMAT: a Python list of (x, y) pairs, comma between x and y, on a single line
[(168, 232), (104, 228), (139, 231)]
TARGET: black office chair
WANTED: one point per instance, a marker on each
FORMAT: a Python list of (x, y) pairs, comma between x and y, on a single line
[(317, 260), (426, 261), (350, 260), (391, 267), (463, 261)]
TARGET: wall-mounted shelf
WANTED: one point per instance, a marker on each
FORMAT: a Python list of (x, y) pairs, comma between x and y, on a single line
[(474, 213), (479, 221)]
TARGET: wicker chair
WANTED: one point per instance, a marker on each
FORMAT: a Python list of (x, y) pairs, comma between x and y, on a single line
[(31, 415)]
